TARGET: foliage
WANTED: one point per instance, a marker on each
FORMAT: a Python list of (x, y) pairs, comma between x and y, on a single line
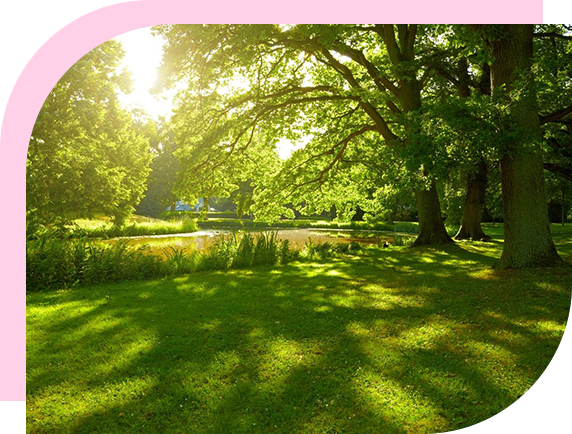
[(84, 155), (321, 251), (406, 227), (52, 263), (335, 91), (159, 193), (400, 240)]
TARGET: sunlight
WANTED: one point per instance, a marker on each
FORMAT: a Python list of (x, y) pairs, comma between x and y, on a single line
[(143, 53)]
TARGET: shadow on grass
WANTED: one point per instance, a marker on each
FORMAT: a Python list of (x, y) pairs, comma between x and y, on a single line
[(393, 341)]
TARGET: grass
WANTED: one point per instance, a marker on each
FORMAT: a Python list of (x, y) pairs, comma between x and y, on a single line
[(100, 228), (393, 340)]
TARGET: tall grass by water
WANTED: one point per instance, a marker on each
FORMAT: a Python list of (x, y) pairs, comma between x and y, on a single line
[(56, 262), (53, 263)]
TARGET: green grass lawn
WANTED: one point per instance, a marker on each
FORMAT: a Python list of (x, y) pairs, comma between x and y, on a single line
[(394, 340)]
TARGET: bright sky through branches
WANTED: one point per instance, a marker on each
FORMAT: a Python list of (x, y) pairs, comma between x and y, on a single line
[(143, 53)]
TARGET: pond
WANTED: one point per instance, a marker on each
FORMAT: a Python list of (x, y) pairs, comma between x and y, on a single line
[(202, 239)]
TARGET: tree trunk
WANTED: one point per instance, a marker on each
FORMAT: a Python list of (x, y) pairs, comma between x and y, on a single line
[(476, 182), (203, 212), (431, 227), (473, 206), (527, 240)]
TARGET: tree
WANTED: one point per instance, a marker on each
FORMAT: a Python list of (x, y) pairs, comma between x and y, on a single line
[(526, 226), (341, 84), (476, 175), (159, 194), (84, 155), (553, 65)]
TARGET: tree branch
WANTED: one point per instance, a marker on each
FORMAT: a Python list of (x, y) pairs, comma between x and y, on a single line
[(559, 170), (555, 145), (387, 32), (357, 56), (380, 122), (553, 117), (344, 144), (407, 35), (552, 35)]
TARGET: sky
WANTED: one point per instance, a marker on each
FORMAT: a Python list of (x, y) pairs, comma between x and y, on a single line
[(143, 53)]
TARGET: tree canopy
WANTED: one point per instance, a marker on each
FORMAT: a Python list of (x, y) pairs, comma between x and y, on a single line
[(384, 119), (85, 155), (382, 108)]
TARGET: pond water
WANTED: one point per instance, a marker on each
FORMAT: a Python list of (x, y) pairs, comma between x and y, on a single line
[(202, 239)]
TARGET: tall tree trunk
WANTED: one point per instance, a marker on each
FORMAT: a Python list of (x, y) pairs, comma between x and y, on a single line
[(476, 181), (473, 206), (431, 227), (527, 240)]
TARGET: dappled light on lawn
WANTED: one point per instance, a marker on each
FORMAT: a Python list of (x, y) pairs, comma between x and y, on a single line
[(343, 344)]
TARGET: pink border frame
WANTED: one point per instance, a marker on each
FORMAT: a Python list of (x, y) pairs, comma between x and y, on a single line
[(83, 34)]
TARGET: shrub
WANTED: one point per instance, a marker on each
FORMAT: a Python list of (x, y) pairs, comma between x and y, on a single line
[(91, 229), (314, 250)]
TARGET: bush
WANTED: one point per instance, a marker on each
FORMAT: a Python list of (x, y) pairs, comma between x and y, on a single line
[(91, 229), (246, 250)]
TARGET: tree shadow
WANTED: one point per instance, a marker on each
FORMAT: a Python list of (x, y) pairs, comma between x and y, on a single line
[(390, 341)]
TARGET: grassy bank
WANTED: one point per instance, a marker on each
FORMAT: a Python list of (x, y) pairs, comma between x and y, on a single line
[(53, 263), (100, 228), (391, 340), (139, 226)]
